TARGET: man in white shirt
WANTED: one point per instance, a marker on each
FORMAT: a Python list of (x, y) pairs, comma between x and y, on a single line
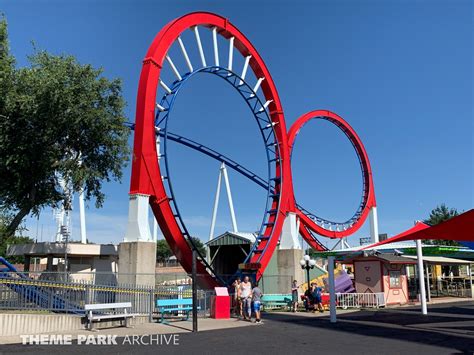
[(245, 294)]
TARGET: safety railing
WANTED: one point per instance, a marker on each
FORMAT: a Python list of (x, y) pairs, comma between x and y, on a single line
[(70, 297), (360, 300)]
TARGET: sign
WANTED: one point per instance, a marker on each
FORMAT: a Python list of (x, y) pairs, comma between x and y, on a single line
[(249, 266)]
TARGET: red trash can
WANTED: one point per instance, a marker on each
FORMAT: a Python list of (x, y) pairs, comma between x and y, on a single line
[(220, 304)]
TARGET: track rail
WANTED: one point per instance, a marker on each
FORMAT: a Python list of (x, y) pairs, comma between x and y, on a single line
[(154, 180), (147, 176)]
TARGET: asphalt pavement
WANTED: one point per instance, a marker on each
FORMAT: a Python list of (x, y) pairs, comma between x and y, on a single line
[(448, 329)]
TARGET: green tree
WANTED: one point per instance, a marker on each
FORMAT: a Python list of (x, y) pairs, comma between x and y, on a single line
[(163, 251), (5, 219), (438, 215), (58, 118), (199, 246)]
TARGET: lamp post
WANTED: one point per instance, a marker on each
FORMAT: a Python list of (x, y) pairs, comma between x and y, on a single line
[(306, 264)]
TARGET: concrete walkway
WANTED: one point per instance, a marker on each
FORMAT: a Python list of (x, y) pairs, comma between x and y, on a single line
[(447, 329), (174, 327)]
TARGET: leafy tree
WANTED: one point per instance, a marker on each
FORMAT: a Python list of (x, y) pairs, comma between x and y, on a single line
[(163, 251), (5, 219), (58, 119), (199, 246), (440, 214)]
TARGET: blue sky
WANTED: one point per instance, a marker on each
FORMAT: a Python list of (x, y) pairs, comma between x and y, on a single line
[(400, 72)]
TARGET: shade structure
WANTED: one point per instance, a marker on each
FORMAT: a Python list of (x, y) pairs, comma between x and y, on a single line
[(459, 228)]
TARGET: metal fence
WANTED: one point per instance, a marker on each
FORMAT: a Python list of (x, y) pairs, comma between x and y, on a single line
[(460, 287), (106, 277), (70, 297), (360, 300)]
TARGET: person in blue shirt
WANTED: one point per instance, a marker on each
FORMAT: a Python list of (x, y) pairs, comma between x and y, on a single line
[(318, 299)]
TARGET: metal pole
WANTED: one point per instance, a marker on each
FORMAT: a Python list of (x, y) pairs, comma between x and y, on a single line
[(152, 305), (428, 287), (469, 270), (307, 276), (82, 217), (332, 290), (421, 277), (65, 254), (195, 320)]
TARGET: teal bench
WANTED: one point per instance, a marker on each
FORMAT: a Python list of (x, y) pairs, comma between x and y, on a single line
[(275, 301), (184, 305)]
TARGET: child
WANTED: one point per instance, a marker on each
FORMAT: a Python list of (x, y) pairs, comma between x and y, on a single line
[(257, 300)]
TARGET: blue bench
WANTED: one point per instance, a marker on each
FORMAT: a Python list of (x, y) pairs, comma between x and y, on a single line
[(184, 305), (274, 301)]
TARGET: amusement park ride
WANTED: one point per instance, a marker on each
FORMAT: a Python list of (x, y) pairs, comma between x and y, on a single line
[(151, 181)]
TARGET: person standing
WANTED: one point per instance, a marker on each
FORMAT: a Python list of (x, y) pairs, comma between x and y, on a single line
[(257, 302), (245, 295), (318, 299), (294, 295), (309, 298), (237, 302)]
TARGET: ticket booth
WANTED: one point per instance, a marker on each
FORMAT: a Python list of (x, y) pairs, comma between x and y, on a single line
[(382, 273)]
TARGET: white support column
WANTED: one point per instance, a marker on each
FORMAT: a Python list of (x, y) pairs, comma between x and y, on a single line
[(155, 230), (244, 70), (421, 277), (138, 228), (231, 53), (216, 48), (173, 67), (216, 206), (185, 54), (198, 41), (374, 225), (229, 198), (257, 85), (265, 105), (289, 233), (82, 217), (332, 290), (165, 87)]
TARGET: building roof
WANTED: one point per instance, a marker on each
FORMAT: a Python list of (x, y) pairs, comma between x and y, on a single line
[(233, 238)]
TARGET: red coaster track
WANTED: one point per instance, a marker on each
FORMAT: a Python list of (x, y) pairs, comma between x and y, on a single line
[(147, 177)]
